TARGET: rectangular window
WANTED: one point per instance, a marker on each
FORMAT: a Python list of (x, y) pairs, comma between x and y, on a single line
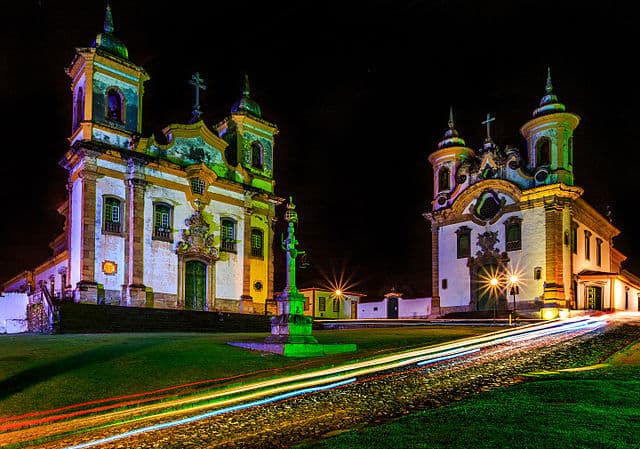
[(228, 235), (574, 239), (336, 304), (587, 245), (463, 242), (444, 284), (322, 304), (112, 214), (257, 243), (162, 222), (598, 251), (514, 241), (197, 186)]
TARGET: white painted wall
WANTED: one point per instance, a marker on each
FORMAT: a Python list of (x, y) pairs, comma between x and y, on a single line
[(414, 307), (161, 271), (377, 309), (13, 313), (110, 247)]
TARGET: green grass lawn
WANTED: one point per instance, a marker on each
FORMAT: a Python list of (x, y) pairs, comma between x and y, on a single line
[(590, 409), (42, 372)]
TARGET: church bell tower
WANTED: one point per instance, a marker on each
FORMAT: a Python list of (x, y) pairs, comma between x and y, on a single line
[(107, 91), (549, 138)]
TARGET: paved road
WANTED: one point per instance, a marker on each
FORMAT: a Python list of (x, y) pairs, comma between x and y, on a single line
[(373, 397)]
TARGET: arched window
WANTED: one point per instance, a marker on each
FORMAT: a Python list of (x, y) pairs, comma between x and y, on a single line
[(257, 243), (112, 215), (257, 155), (79, 108), (543, 151), (115, 105), (228, 235), (443, 179)]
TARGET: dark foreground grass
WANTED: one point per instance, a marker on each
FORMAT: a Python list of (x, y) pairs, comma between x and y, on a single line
[(591, 409), (42, 372)]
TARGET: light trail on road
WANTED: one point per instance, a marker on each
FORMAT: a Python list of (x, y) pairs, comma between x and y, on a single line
[(258, 393)]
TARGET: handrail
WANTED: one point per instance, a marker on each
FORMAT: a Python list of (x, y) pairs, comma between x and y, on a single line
[(47, 302)]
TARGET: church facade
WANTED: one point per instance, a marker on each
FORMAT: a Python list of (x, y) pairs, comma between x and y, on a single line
[(512, 231), (180, 220)]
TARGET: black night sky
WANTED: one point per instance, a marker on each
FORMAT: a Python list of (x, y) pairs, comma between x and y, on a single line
[(360, 92)]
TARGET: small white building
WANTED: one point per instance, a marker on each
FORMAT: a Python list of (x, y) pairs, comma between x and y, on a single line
[(394, 306)]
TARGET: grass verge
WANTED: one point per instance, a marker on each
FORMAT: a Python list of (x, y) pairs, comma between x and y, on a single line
[(43, 372), (592, 408)]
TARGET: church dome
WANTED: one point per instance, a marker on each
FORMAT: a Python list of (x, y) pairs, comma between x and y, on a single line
[(549, 104), (451, 137), (107, 41), (246, 103)]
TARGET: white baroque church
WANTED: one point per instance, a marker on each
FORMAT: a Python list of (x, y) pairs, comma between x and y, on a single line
[(512, 231), (182, 221)]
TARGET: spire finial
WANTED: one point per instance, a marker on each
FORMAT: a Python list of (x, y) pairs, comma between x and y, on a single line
[(451, 124), (245, 90), (198, 83), (488, 123), (108, 20), (549, 87)]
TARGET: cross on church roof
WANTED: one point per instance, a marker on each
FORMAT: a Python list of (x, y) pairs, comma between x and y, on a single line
[(198, 83), (488, 123)]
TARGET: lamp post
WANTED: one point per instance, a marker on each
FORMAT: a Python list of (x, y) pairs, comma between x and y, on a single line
[(494, 288), (513, 280)]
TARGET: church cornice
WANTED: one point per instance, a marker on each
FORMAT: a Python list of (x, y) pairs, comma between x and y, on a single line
[(540, 195), (242, 118), (91, 55), (591, 218)]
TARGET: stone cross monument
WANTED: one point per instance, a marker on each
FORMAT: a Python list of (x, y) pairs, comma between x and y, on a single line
[(291, 325)]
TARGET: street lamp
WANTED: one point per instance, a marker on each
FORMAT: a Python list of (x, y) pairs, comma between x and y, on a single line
[(494, 287)]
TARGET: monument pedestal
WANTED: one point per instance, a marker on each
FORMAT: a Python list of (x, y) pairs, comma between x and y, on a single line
[(291, 329), (291, 333)]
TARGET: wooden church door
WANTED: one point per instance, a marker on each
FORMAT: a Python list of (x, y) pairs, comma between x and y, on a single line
[(195, 285), (486, 293)]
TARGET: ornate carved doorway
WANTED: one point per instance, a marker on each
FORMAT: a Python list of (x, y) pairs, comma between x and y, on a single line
[(488, 263), (195, 285)]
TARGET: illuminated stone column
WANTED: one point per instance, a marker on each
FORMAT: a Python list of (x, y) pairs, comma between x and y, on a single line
[(135, 288), (435, 282), (87, 288), (246, 300), (554, 293)]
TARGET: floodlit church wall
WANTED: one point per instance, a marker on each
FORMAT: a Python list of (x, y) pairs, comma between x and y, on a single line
[(229, 268), (161, 276), (580, 262), (454, 270), (75, 245), (259, 266), (109, 247), (532, 255)]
